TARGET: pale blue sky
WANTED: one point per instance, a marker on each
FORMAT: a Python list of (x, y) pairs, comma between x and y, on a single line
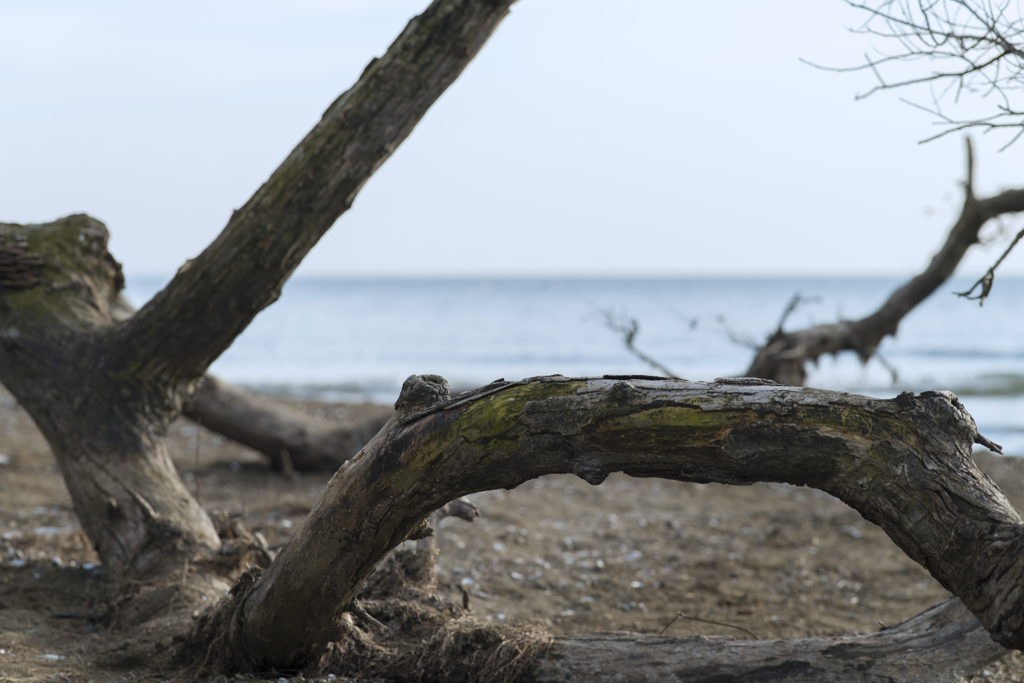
[(654, 137)]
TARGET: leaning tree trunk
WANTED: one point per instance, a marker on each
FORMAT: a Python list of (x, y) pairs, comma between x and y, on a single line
[(904, 464), (785, 355), (103, 391)]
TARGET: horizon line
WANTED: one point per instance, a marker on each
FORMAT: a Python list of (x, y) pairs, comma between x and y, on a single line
[(1011, 275)]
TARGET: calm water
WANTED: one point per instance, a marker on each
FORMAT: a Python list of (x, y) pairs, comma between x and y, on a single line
[(359, 339)]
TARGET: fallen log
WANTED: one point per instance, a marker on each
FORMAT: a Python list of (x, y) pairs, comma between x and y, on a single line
[(904, 464), (293, 440)]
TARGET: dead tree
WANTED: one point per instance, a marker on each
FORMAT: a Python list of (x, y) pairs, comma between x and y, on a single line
[(103, 392), (784, 356)]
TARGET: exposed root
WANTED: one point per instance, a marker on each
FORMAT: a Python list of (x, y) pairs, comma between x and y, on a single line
[(207, 647), (460, 651), (470, 651), (175, 593), (404, 572)]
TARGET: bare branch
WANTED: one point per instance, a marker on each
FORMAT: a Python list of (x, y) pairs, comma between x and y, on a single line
[(783, 358), (985, 283), (175, 336), (978, 44), (791, 307), (629, 328)]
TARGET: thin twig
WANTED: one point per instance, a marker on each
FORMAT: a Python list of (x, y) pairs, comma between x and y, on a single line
[(977, 43), (629, 329), (893, 372), (794, 304), (680, 615), (989, 277)]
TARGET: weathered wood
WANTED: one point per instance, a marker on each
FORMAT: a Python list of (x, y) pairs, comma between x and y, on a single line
[(106, 435), (273, 428), (904, 464), (784, 356), (945, 644), (104, 391)]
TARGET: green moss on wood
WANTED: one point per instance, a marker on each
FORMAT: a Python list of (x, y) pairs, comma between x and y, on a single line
[(78, 277)]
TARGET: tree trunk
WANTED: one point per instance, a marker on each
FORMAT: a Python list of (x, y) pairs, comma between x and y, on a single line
[(904, 464), (103, 424), (784, 357), (104, 391)]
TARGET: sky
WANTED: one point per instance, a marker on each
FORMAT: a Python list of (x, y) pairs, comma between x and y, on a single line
[(589, 137)]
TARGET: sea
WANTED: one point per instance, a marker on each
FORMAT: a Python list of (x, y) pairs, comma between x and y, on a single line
[(358, 339)]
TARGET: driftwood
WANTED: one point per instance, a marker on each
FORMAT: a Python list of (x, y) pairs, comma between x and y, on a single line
[(293, 440), (785, 355), (943, 644), (904, 464)]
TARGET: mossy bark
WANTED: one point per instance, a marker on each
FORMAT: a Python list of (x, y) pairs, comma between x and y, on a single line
[(905, 464)]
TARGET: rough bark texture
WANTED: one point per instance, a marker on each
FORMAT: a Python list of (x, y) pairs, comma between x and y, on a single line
[(904, 464), (945, 644), (104, 431), (103, 391), (291, 439), (784, 357)]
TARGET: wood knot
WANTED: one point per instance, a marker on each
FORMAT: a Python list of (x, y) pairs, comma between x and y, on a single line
[(623, 392), (421, 392), (590, 472), (905, 401)]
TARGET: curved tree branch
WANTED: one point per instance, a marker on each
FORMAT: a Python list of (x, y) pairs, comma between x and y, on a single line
[(783, 358), (904, 464), (176, 336)]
